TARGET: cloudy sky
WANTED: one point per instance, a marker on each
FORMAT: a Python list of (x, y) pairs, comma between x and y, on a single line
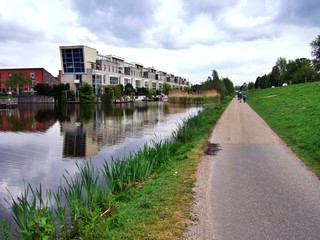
[(241, 39)]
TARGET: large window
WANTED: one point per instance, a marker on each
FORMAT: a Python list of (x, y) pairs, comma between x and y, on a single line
[(126, 81), (73, 60), (138, 83), (154, 85), (96, 84), (114, 80)]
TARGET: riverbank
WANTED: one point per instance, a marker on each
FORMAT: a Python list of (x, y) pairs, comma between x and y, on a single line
[(160, 207), (146, 208)]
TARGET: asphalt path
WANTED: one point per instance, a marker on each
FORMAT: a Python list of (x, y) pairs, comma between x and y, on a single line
[(254, 187)]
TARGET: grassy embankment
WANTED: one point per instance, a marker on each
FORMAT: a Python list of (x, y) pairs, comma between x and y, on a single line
[(294, 113), (151, 192)]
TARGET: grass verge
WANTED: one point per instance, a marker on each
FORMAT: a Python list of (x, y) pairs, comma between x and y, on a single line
[(294, 113), (159, 207)]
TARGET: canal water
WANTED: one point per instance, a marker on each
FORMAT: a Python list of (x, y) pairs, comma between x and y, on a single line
[(39, 143)]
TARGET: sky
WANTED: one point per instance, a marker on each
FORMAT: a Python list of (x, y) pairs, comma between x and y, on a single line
[(240, 39)]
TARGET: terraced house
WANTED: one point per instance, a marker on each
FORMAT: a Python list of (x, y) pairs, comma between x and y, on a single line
[(84, 64)]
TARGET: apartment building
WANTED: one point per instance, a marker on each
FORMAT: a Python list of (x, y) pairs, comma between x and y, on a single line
[(37, 75), (84, 64)]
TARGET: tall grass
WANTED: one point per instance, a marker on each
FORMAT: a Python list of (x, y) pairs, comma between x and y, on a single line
[(192, 99), (121, 174), (78, 204)]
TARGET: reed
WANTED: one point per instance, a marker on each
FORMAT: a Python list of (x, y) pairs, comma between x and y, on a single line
[(32, 214), (192, 99), (122, 174)]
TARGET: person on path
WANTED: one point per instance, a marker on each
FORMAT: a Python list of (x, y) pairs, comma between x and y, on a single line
[(240, 96), (244, 96)]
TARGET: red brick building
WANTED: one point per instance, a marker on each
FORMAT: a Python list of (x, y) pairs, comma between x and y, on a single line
[(38, 75)]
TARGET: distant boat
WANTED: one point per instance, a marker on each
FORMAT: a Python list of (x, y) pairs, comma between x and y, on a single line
[(161, 98), (139, 98), (123, 100)]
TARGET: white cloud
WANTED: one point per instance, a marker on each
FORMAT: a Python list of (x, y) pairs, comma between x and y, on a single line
[(240, 39)]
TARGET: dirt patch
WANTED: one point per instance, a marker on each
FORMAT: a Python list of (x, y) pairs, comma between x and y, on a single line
[(211, 149)]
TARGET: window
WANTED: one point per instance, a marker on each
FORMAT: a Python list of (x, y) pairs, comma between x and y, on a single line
[(154, 85), (114, 80), (72, 60), (138, 83), (79, 77), (96, 84), (126, 81)]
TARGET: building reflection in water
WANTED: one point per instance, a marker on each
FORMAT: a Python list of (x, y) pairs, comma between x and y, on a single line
[(90, 128), (27, 118), (74, 144)]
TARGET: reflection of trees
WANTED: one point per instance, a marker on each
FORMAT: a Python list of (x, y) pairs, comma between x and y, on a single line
[(87, 112), (19, 124), (28, 117)]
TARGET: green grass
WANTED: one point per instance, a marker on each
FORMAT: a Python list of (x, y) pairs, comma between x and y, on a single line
[(294, 113)]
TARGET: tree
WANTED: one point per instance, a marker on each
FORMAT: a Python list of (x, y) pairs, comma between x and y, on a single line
[(129, 89), (58, 90), (299, 71), (17, 80), (86, 93), (251, 85), (229, 85), (143, 91), (315, 52), (262, 82), (42, 89), (166, 88), (275, 76)]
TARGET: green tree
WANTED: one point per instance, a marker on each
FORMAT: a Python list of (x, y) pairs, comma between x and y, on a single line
[(17, 80), (282, 65), (263, 82), (143, 91), (275, 76), (299, 70), (86, 93), (166, 88), (129, 89), (43, 89), (315, 52), (251, 85), (229, 85), (58, 90)]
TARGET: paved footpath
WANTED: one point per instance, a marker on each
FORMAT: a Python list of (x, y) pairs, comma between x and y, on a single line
[(255, 187)]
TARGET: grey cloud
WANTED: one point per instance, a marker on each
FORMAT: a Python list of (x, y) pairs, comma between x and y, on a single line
[(208, 7), (299, 12), (116, 22), (14, 32)]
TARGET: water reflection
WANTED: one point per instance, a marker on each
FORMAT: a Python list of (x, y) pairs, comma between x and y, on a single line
[(38, 143), (27, 118)]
